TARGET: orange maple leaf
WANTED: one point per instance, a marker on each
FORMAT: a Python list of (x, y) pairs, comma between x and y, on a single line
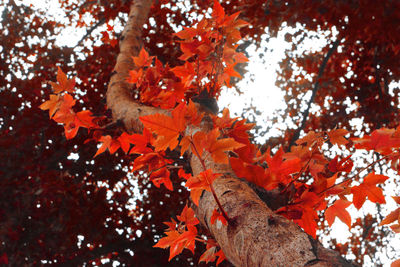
[(251, 172), (178, 239), (168, 129), (65, 114), (216, 147), (218, 216), (107, 143), (396, 263), (52, 104), (185, 72), (165, 127), (161, 176), (188, 216), (210, 254), (63, 84), (310, 139), (338, 209), (381, 140), (337, 136), (308, 221), (279, 169), (345, 165), (201, 182), (143, 59), (369, 189)]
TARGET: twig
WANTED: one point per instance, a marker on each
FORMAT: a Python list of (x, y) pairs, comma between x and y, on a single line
[(224, 214), (89, 32), (355, 175), (296, 135)]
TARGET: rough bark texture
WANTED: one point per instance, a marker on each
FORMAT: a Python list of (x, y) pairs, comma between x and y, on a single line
[(254, 236), (119, 98)]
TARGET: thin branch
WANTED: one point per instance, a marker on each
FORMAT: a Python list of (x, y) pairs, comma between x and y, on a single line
[(89, 32), (314, 92), (79, 7), (196, 152)]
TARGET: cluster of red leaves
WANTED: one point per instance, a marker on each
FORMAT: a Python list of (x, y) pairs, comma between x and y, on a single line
[(60, 107), (183, 234), (209, 58), (311, 181)]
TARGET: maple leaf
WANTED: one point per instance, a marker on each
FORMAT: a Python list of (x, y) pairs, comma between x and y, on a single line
[(310, 139), (185, 72), (216, 147), (81, 119), (85, 119), (308, 221), (161, 176), (70, 130), (165, 127), (345, 165), (187, 33), (337, 136), (139, 141), (279, 169), (338, 209), (177, 241), (170, 241), (396, 263), (107, 143), (65, 114), (216, 215), (134, 76), (208, 255), (221, 256), (52, 104), (150, 161), (187, 216), (201, 182), (251, 172), (368, 189), (143, 59), (168, 129), (220, 146), (218, 11), (381, 140), (63, 84)]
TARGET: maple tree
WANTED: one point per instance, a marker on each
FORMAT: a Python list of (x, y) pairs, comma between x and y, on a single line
[(95, 185)]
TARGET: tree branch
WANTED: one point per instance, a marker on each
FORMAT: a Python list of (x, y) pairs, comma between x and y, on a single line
[(89, 32), (255, 235), (119, 99), (296, 135)]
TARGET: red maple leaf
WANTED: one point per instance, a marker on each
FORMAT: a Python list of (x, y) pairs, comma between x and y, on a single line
[(201, 182), (338, 209), (63, 84), (107, 143), (218, 216), (369, 189), (337, 136), (52, 104)]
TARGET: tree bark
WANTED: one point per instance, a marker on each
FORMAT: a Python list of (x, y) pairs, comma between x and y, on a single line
[(255, 235)]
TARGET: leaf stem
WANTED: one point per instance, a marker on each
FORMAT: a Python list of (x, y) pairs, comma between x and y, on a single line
[(211, 186), (355, 175)]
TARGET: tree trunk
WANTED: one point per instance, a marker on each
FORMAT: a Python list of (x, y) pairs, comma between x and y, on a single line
[(255, 235)]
